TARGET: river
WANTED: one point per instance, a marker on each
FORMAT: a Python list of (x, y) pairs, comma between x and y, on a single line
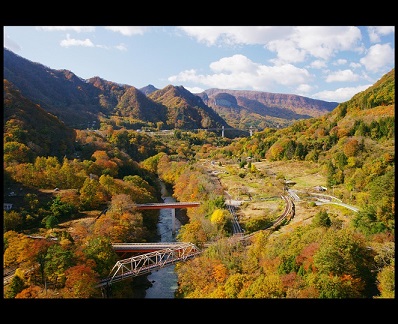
[(164, 280)]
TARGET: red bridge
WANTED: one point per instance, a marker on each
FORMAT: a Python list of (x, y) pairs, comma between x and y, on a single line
[(172, 206), (167, 205)]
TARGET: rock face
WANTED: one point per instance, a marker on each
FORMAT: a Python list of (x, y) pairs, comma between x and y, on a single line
[(266, 103), (241, 108), (223, 99)]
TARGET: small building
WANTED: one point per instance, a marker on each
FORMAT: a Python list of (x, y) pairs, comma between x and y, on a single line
[(7, 206), (320, 188)]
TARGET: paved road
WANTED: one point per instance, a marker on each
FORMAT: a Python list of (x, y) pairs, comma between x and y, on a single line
[(355, 209), (327, 199)]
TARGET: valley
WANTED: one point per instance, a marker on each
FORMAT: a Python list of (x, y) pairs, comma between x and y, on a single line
[(258, 193)]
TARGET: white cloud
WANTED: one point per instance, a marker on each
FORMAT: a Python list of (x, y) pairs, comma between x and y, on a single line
[(184, 76), (376, 31), (318, 64), (128, 30), (342, 76), (121, 47), (304, 89), (78, 29), (324, 42), (76, 42), (355, 65), (194, 89), (234, 64), (287, 51), (378, 57), (291, 44), (68, 42), (230, 35), (340, 62), (341, 94), (238, 72), (286, 74)]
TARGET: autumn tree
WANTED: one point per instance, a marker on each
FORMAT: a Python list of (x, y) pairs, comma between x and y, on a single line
[(91, 195), (12, 220), (344, 259), (72, 174), (16, 152), (151, 163), (366, 221), (322, 219), (81, 281), (235, 284), (36, 256), (201, 277), (351, 147), (16, 285), (121, 223), (263, 286), (57, 261), (16, 248), (29, 292), (100, 250), (222, 220), (386, 282), (192, 232)]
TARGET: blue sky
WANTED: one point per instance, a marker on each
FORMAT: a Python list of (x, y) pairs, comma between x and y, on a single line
[(330, 63)]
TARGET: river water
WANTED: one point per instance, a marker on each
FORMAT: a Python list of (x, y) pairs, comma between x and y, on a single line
[(164, 280)]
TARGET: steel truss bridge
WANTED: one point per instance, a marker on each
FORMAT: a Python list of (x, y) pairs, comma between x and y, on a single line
[(163, 254)]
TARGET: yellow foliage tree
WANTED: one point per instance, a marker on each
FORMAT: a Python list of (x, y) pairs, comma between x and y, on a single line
[(218, 217)]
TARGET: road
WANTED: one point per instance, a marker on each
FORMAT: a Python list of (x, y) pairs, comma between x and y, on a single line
[(324, 199)]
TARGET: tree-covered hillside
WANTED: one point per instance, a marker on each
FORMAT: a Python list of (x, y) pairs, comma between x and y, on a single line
[(67, 208), (355, 143), (331, 252), (30, 131)]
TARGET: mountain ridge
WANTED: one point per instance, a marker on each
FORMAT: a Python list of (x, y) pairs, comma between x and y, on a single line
[(83, 103)]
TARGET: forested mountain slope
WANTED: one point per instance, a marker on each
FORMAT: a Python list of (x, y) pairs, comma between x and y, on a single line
[(186, 110), (83, 103), (30, 131), (94, 102)]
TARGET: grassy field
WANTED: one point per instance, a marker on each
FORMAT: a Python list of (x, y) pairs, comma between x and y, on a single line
[(267, 179), (259, 189)]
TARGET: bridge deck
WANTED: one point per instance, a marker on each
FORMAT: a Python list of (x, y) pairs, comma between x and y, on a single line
[(142, 247), (167, 205)]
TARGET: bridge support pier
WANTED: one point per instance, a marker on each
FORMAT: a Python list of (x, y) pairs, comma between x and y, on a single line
[(173, 220), (106, 291)]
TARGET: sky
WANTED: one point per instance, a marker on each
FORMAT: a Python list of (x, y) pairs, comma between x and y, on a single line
[(330, 63)]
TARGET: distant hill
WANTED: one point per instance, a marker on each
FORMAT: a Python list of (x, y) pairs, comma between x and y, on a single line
[(361, 129), (81, 103), (243, 109), (148, 89), (185, 110), (87, 103)]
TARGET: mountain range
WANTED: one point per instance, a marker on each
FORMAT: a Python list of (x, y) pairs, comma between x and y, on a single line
[(81, 103)]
